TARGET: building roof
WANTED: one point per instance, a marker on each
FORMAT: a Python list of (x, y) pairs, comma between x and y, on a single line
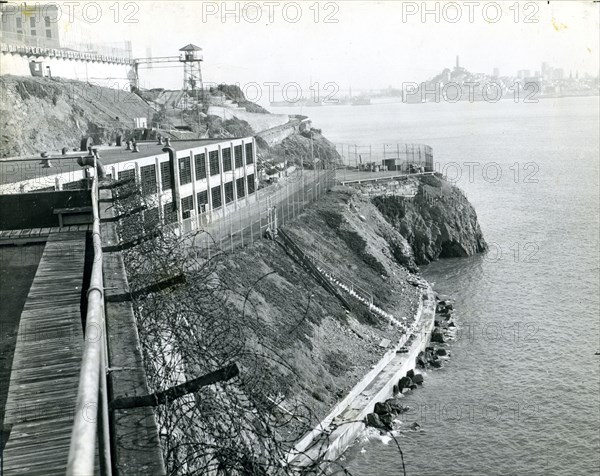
[(190, 47), (18, 170)]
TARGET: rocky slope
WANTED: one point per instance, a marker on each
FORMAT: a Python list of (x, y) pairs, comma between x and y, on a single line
[(439, 222), (298, 148), (46, 114), (327, 349)]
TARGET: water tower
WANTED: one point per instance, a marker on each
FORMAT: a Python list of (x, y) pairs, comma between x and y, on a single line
[(191, 57)]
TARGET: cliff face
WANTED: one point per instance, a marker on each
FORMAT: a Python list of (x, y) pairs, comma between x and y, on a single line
[(439, 222), (296, 345), (46, 114)]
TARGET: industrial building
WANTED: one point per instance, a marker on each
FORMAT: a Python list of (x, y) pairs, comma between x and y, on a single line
[(180, 179)]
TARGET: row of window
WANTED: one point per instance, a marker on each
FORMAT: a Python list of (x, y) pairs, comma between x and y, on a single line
[(187, 203), (32, 24), (148, 172)]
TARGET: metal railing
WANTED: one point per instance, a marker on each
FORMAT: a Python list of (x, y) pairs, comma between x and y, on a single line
[(120, 49), (394, 157), (92, 394)]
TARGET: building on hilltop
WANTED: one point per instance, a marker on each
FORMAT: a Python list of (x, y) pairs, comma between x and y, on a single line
[(42, 40)]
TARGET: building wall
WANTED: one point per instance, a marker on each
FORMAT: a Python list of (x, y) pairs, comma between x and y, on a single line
[(43, 33), (31, 24), (104, 74)]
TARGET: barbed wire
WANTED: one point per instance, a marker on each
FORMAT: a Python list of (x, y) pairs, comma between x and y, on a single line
[(243, 426)]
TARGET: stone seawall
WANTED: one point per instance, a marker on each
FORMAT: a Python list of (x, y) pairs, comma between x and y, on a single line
[(338, 430), (277, 134)]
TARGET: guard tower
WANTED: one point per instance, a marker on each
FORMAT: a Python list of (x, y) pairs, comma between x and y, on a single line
[(191, 57)]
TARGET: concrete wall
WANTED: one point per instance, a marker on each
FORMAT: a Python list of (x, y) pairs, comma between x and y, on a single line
[(278, 133), (105, 74), (258, 122), (36, 210), (377, 385)]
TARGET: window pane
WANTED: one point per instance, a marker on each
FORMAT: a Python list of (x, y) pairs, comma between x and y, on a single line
[(226, 159), (48, 34), (239, 160), (249, 157), (165, 175), (127, 174), (47, 21), (169, 214), (229, 192), (19, 23), (202, 201), (250, 184), (200, 163), (185, 171), (216, 196), (151, 218), (213, 158), (187, 204), (240, 186), (32, 22), (148, 176)]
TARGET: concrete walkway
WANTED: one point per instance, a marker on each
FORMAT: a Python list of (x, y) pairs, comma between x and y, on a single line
[(333, 436)]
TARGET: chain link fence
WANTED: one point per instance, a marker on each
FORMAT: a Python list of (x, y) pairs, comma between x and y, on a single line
[(269, 208), (386, 157)]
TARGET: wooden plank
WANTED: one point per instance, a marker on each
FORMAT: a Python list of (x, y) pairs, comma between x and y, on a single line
[(45, 374)]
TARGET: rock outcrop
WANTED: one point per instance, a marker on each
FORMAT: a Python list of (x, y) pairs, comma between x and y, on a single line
[(439, 222)]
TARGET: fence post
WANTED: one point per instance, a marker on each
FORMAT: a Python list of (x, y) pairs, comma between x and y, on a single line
[(241, 212), (259, 222), (287, 196), (221, 234), (231, 232)]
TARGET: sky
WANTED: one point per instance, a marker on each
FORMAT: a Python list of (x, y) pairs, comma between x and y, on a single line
[(358, 44)]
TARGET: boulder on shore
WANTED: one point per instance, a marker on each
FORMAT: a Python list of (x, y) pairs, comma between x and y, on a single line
[(404, 382), (386, 420), (381, 408), (418, 379), (374, 421), (395, 405), (437, 336)]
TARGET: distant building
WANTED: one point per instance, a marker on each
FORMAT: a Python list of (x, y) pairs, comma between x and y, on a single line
[(59, 44), (558, 74), (31, 25)]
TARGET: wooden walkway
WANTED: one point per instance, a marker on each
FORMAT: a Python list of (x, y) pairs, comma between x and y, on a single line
[(19, 237), (45, 372)]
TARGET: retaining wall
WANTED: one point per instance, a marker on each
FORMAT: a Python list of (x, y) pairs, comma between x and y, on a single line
[(101, 73)]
